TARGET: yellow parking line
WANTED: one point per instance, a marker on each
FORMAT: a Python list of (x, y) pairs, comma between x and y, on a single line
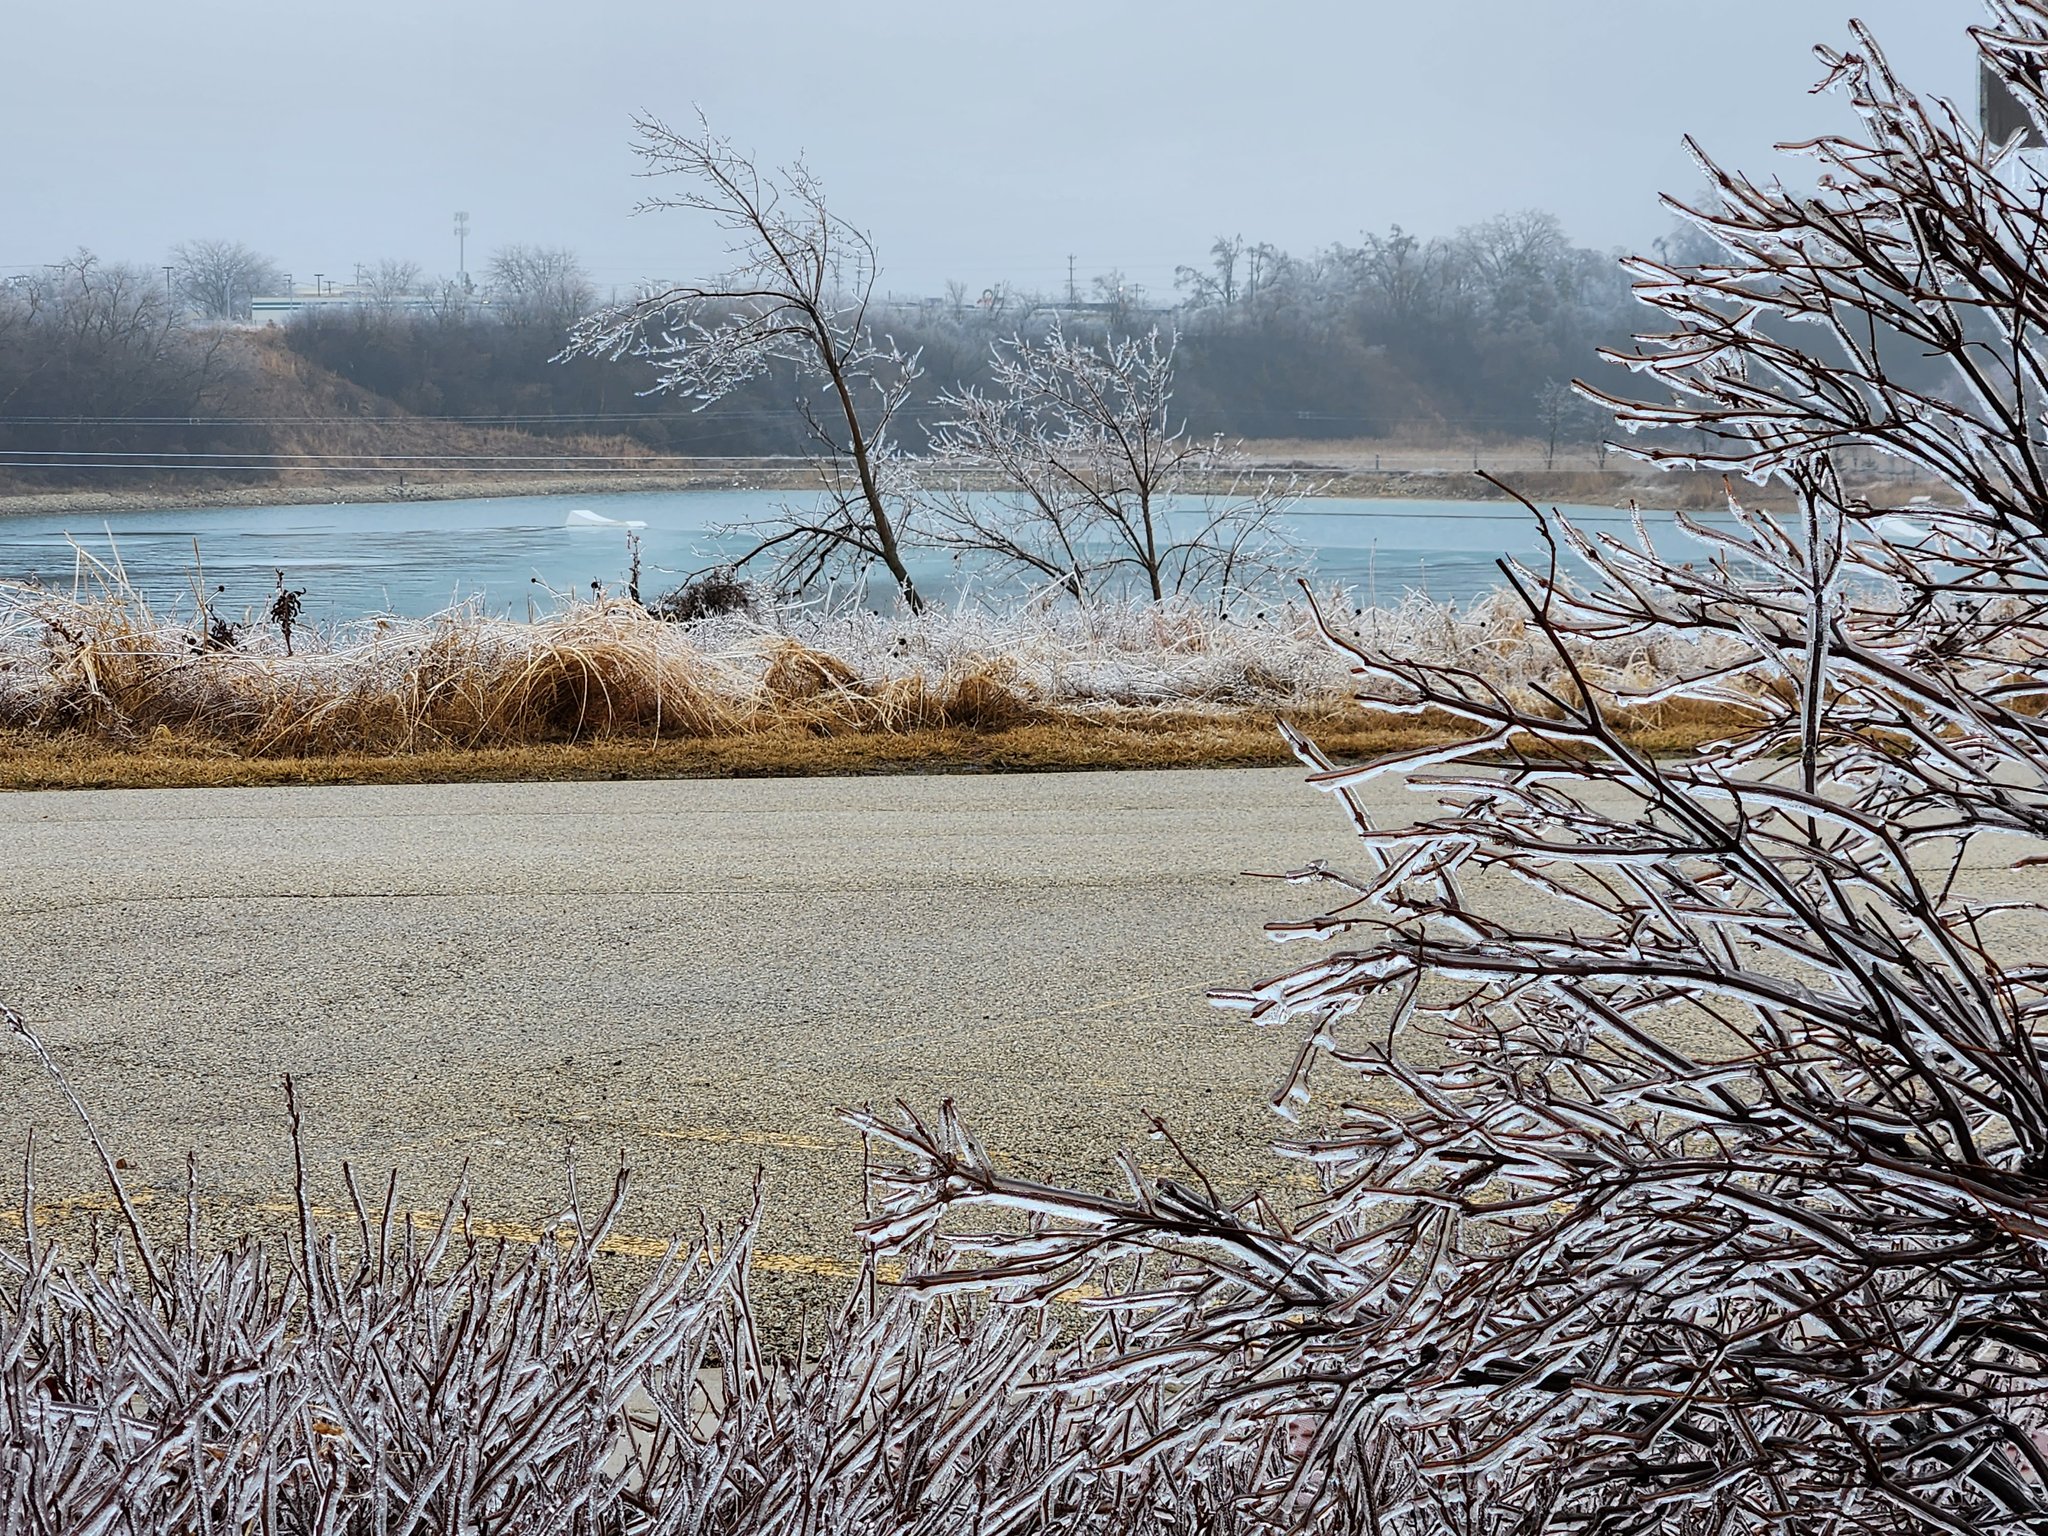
[(712, 1135), (991, 1026), (720, 1136), (620, 1244), (815, 1266)]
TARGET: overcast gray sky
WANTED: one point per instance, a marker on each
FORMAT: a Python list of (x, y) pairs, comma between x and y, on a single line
[(975, 141)]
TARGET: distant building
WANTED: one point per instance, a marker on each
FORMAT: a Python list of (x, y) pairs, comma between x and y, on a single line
[(277, 308)]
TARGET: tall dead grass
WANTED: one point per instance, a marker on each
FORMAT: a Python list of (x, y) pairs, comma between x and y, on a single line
[(102, 667)]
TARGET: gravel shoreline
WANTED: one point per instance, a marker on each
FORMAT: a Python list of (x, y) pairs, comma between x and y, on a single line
[(1391, 485), (151, 498)]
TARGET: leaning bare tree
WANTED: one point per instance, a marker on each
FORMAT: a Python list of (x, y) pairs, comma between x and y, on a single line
[(1100, 483), (797, 297), (1690, 1172)]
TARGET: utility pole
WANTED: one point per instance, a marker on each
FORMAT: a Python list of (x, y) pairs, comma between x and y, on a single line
[(318, 286), (462, 250), (167, 282), (1070, 279)]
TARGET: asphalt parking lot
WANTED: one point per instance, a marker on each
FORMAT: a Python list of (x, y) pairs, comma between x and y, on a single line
[(694, 975)]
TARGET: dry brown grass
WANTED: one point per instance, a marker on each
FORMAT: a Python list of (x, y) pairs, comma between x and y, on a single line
[(97, 690), (1147, 739), (1115, 740)]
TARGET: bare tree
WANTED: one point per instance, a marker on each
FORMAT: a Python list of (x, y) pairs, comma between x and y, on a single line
[(1556, 407), (1117, 297), (391, 282), (101, 371), (218, 278), (1564, 416), (1516, 255), (1597, 422), (1692, 1169), (1216, 288), (452, 300), (538, 285), (1100, 483), (797, 296)]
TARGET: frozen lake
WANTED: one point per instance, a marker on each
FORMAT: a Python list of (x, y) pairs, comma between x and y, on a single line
[(417, 557)]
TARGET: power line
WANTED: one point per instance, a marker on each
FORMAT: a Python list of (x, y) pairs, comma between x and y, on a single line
[(393, 421), (56, 457), (703, 420), (545, 466)]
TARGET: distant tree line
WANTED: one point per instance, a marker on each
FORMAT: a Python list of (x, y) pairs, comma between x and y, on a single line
[(1476, 333), (101, 374), (1398, 337)]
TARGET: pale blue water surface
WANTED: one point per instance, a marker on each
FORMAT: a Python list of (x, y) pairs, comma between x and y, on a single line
[(417, 557)]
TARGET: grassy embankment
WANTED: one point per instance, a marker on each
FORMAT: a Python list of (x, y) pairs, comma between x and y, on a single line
[(325, 439), (30, 760)]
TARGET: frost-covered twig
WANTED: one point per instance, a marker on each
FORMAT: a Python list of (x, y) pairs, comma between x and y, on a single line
[(396, 1374), (1689, 1170)]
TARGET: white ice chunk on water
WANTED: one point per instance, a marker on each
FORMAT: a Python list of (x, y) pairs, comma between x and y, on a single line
[(1903, 529), (583, 517)]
